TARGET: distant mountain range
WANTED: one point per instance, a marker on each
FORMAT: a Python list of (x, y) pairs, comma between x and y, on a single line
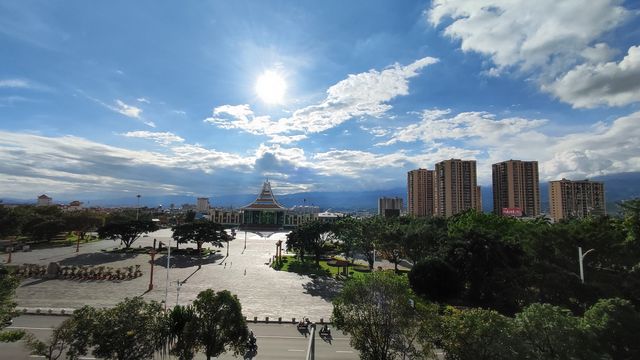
[(618, 187)]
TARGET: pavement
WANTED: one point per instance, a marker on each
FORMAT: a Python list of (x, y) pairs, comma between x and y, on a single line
[(275, 341), (262, 291)]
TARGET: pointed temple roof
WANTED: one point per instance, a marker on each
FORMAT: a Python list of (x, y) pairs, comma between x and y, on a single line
[(265, 201)]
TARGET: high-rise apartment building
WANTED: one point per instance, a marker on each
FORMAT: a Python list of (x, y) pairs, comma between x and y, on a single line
[(516, 188), (578, 199), (202, 205), (389, 207), (456, 187), (420, 192)]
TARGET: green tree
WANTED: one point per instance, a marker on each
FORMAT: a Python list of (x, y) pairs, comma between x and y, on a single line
[(200, 232), (384, 319), (8, 286), (127, 231), (220, 323), (434, 279), (372, 229), (348, 231), (132, 330), (57, 344), (82, 222), (183, 336), (478, 334), (615, 324), (310, 237), (390, 244), (9, 222), (551, 332)]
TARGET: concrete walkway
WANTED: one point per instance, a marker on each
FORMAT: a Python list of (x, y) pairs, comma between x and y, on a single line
[(245, 272)]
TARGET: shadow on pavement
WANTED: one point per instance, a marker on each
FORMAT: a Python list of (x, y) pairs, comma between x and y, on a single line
[(97, 258), (325, 287), (35, 282), (185, 261)]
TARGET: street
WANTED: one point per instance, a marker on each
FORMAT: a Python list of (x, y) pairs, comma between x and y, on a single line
[(275, 341)]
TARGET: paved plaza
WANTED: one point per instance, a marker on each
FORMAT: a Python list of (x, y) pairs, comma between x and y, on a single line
[(245, 272)]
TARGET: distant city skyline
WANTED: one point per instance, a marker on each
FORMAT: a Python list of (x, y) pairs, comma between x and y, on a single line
[(112, 100)]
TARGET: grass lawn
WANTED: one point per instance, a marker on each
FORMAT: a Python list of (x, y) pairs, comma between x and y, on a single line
[(309, 267)]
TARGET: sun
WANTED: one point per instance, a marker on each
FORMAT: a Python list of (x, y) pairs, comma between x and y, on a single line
[(271, 87)]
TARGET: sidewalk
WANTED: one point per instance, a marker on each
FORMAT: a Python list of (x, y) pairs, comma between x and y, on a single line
[(245, 272)]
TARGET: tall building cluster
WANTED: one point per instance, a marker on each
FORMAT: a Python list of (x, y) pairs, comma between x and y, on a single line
[(451, 188)]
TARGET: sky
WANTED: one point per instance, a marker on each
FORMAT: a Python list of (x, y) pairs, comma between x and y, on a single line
[(209, 98)]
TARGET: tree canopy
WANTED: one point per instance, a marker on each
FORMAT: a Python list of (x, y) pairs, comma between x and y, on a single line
[(128, 230)]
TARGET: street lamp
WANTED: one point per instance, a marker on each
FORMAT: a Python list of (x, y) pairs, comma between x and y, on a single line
[(581, 258), (138, 207), (166, 288), (153, 253)]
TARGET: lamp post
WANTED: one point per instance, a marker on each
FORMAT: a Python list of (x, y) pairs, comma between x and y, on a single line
[(10, 250), (138, 207), (166, 289), (581, 258), (153, 254)]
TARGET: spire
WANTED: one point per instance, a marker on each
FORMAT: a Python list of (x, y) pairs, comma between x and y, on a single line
[(265, 200)]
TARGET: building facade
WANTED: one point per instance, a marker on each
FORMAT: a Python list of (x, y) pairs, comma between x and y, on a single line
[(389, 207), (265, 211), (576, 199), (456, 188), (44, 200), (420, 193), (202, 205), (516, 188)]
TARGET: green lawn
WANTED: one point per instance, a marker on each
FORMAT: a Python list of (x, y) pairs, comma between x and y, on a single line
[(309, 267)]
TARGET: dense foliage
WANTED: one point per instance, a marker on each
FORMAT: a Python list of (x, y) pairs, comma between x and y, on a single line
[(496, 262)]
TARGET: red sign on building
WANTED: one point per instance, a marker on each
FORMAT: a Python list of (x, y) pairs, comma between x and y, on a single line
[(515, 212)]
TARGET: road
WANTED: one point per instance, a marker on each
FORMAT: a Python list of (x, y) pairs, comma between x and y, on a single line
[(275, 341)]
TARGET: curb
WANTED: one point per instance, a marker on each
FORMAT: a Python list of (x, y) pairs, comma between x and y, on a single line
[(254, 319)]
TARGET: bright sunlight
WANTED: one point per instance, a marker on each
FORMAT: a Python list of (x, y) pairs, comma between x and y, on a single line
[(271, 87)]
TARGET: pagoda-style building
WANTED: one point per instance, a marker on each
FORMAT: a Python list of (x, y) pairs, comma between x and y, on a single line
[(265, 212)]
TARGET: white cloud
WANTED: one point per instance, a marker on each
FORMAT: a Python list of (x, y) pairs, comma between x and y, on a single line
[(143, 100), (611, 83), (544, 38), (527, 33), (363, 94), (481, 127), (127, 110), (163, 138), (15, 83)]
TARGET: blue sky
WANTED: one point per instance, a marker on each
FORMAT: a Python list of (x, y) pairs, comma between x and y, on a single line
[(159, 97)]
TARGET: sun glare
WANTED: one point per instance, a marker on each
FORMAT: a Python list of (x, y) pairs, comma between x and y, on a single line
[(271, 87)]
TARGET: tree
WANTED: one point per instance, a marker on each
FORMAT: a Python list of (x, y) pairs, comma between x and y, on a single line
[(82, 221), (390, 242), (615, 324), (127, 231), (434, 279), (551, 332), (57, 344), (348, 231), (8, 286), (371, 231), (200, 232), (183, 337), (220, 323), (478, 334), (132, 330), (9, 222), (377, 312), (310, 237)]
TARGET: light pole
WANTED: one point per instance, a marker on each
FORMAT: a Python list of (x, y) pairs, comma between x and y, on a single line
[(138, 207), (581, 258), (153, 254), (245, 239), (166, 288)]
